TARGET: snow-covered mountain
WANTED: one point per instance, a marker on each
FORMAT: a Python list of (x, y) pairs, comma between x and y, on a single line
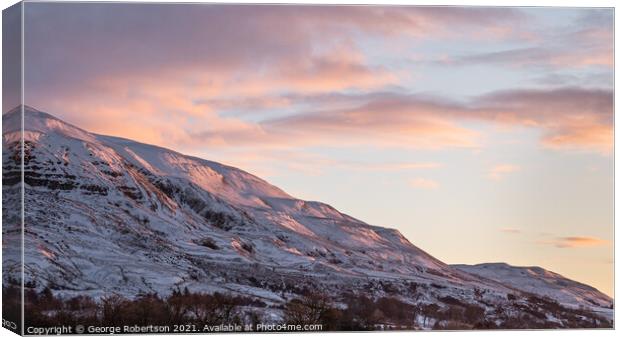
[(109, 215), (541, 282)]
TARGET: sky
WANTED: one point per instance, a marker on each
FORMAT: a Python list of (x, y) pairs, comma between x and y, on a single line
[(482, 134)]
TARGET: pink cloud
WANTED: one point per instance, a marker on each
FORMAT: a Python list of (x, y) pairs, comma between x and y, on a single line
[(575, 242), (540, 56), (265, 160), (423, 183), (569, 118), (588, 43), (511, 230), (165, 114), (170, 91), (237, 39), (499, 171)]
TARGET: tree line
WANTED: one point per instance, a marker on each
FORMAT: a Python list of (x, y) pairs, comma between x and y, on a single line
[(351, 312)]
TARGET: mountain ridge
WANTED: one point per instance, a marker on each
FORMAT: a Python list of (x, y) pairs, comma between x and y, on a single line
[(540, 280), (111, 215)]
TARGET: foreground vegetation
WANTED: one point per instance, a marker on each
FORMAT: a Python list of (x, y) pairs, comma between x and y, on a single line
[(350, 312)]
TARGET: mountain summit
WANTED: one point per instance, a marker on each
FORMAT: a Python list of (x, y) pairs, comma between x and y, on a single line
[(109, 215)]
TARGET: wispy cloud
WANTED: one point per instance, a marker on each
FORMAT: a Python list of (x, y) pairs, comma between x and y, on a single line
[(570, 118), (539, 56), (310, 163), (423, 183), (588, 42), (499, 171), (575, 242), (579, 241), (511, 230), (400, 166)]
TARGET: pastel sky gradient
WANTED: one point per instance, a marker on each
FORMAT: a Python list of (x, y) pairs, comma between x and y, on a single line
[(482, 134)]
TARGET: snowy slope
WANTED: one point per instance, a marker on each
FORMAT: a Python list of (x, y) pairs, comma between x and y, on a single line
[(540, 281), (110, 215), (151, 193)]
